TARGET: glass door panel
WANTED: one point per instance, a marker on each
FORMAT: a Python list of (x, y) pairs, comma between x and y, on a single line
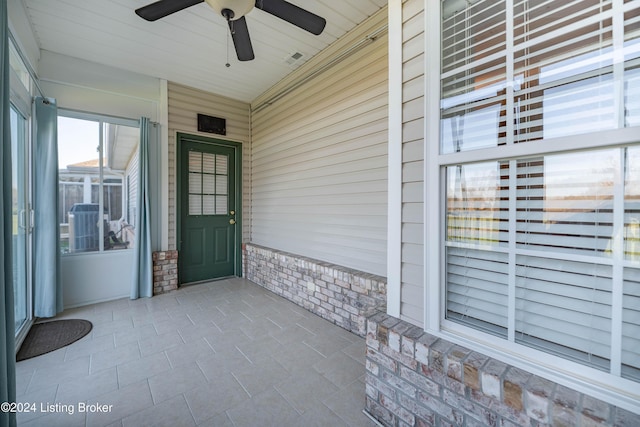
[(20, 212)]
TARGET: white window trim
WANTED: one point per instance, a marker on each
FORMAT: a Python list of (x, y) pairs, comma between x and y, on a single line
[(617, 391), (433, 246), (394, 183), (100, 119)]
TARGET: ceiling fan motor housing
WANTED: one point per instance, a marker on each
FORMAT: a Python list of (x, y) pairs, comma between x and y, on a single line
[(238, 7)]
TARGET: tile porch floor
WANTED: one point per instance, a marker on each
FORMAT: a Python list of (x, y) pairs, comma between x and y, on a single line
[(224, 353)]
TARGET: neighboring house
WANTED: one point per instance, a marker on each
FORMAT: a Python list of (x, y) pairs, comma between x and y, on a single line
[(449, 173), (79, 185)]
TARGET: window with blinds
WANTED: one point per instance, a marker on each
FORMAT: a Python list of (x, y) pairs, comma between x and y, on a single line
[(543, 250), (208, 183)]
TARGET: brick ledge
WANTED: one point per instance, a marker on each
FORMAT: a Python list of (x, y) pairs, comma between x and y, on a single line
[(414, 378), (339, 294)]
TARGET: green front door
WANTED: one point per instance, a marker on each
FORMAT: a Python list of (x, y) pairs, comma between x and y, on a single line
[(207, 211)]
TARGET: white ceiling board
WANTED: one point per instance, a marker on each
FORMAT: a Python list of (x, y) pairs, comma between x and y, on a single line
[(122, 145), (188, 47)]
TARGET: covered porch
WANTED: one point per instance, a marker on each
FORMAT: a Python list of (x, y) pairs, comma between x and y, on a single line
[(220, 353)]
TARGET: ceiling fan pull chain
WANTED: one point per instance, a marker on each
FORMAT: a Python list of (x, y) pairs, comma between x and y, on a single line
[(227, 64)]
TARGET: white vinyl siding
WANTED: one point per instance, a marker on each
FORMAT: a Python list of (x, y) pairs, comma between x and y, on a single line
[(412, 284), (319, 158), (184, 105), (131, 181)]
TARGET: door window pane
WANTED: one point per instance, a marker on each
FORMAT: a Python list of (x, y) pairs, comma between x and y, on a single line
[(208, 183)]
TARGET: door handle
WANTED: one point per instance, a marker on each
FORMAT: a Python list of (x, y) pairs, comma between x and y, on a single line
[(232, 221), (22, 219)]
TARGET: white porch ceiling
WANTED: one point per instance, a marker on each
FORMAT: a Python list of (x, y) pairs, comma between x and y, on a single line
[(190, 46)]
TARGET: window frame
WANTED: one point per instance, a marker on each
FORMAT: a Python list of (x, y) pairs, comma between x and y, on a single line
[(604, 385), (101, 119)]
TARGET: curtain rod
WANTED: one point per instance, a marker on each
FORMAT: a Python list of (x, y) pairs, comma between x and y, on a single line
[(370, 38)]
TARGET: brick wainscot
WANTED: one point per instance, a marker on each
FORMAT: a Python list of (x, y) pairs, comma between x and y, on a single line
[(338, 294), (416, 379), (165, 271)]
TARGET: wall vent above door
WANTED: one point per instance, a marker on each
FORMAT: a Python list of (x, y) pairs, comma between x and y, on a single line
[(212, 124)]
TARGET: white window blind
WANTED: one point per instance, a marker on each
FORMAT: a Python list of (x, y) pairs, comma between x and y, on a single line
[(563, 58), (539, 250), (477, 235), (473, 77), (560, 60), (564, 307), (563, 221), (631, 276), (208, 183), (565, 202), (631, 323)]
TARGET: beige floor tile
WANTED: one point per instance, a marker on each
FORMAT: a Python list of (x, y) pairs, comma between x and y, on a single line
[(171, 413), (225, 353), (138, 333), (125, 401), (306, 391), (340, 369), (57, 373), (142, 369), (348, 404), (189, 352), (159, 343), (260, 376), (214, 398), (81, 389), (268, 408), (42, 395), (110, 358), (176, 381)]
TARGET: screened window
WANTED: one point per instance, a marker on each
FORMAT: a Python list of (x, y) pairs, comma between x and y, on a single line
[(542, 219)]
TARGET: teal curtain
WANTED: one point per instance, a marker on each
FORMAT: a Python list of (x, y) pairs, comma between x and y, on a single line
[(142, 285), (7, 325), (46, 232)]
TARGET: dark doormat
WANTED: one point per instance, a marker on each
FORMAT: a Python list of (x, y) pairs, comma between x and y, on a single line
[(49, 336)]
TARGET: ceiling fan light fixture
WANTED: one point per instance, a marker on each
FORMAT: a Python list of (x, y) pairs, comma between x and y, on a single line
[(234, 11), (239, 8)]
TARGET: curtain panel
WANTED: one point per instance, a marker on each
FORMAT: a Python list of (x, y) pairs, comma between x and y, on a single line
[(46, 233), (142, 284), (7, 325)]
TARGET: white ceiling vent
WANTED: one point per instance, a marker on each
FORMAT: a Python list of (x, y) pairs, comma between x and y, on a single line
[(294, 59)]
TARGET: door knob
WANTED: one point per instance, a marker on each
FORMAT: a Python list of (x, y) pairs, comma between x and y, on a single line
[(232, 221)]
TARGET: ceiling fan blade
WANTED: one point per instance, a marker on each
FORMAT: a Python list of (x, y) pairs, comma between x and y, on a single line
[(162, 8), (293, 14), (241, 40)]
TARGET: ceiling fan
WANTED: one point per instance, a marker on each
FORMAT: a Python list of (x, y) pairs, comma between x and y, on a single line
[(234, 12)]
